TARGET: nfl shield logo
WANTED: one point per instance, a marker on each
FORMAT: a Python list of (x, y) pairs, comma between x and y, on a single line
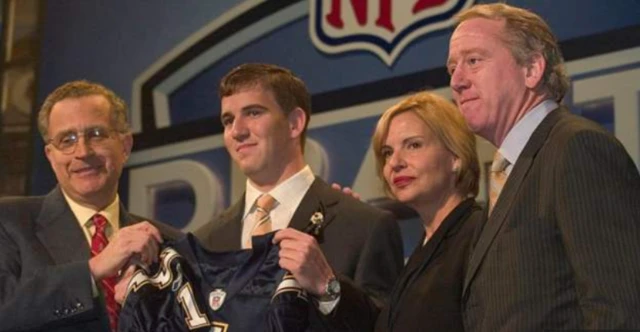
[(383, 27), (216, 299)]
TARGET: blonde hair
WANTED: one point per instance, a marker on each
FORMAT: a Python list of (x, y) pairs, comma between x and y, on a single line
[(527, 34), (447, 124)]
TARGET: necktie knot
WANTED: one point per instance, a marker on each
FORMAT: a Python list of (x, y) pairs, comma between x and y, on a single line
[(262, 220), (497, 178), (100, 222), (265, 202)]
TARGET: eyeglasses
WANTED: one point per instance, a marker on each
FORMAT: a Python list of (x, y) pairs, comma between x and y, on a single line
[(67, 141)]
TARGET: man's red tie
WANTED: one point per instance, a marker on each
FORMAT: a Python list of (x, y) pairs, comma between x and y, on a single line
[(98, 243)]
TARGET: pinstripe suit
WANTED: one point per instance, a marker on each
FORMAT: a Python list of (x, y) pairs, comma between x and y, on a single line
[(561, 249)]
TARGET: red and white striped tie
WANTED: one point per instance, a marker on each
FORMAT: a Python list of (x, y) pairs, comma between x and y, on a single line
[(98, 243)]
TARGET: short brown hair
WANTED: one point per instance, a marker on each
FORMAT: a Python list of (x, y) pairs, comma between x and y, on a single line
[(447, 124), (289, 90), (83, 88), (527, 34)]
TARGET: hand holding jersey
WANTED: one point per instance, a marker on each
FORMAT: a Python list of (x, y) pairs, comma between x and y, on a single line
[(194, 289), (301, 255), (135, 242), (246, 290), (123, 283)]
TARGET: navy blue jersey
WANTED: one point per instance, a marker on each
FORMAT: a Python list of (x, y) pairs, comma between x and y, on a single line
[(193, 289)]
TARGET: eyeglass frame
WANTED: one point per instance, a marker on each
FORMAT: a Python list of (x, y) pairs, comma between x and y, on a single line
[(56, 141)]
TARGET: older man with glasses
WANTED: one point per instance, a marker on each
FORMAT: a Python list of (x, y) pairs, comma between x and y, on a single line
[(60, 254)]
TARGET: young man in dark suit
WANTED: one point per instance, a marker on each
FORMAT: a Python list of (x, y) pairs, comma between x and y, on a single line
[(560, 248), (265, 112), (60, 254)]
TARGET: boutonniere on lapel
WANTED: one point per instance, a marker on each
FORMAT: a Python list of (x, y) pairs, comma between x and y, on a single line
[(317, 218), (316, 222)]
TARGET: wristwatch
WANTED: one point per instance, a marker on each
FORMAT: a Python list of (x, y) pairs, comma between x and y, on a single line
[(331, 290)]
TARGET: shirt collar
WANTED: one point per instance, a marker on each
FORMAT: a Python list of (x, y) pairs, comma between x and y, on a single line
[(519, 135), (298, 183), (83, 214)]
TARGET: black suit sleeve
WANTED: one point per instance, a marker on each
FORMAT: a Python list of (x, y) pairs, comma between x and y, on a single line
[(599, 220), (381, 259), (378, 268), (43, 297)]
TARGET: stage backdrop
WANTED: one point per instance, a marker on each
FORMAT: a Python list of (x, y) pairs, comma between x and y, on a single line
[(358, 57)]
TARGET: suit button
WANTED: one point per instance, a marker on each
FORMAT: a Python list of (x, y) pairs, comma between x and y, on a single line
[(56, 312), (65, 311), (79, 305)]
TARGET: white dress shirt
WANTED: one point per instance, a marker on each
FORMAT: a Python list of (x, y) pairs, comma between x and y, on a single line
[(288, 196), (519, 135)]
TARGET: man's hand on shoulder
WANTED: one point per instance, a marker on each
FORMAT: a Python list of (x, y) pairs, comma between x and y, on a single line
[(345, 190), (131, 243)]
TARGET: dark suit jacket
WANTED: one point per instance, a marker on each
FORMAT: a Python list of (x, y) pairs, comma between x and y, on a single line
[(427, 296), (361, 243), (561, 249), (45, 283)]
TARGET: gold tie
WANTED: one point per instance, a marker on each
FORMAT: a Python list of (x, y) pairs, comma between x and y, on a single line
[(498, 177), (262, 220)]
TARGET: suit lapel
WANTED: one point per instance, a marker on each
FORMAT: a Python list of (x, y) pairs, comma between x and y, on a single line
[(320, 197), (59, 231), (126, 219), (422, 256), (505, 201), (425, 253)]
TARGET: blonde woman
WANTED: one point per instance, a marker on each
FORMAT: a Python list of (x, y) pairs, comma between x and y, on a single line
[(426, 157)]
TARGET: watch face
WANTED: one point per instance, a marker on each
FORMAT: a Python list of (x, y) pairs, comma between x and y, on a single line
[(333, 287)]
